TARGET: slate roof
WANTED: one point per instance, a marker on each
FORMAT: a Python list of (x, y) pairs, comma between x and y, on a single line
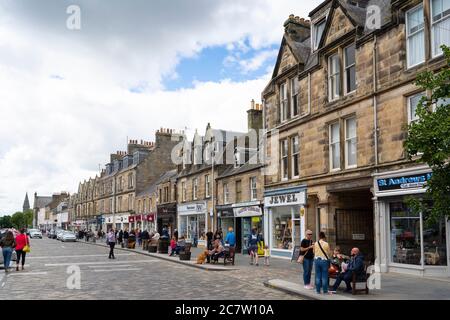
[(41, 202)]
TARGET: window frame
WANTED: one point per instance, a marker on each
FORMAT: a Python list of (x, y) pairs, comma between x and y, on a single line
[(195, 189), (238, 191), (253, 188), (346, 92), (284, 167), (346, 140), (293, 155), (336, 76), (408, 36), (226, 193), (330, 145), (207, 186), (314, 45), (410, 116), (432, 26), (284, 102), (294, 95)]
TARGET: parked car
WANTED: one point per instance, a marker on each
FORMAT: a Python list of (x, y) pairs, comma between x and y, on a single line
[(35, 233), (68, 236), (59, 233)]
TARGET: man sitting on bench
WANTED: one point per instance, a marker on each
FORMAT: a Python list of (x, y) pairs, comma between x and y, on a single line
[(356, 264)]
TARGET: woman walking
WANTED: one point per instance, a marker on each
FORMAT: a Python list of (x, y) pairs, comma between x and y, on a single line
[(111, 239), (322, 263), (8, 244), (22, 240)]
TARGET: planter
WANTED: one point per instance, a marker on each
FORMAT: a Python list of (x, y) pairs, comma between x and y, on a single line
[(185, 256)]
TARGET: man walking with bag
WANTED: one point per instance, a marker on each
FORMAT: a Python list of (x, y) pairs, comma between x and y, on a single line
[(111, 241)]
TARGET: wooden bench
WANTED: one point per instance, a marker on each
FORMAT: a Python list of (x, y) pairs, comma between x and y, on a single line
[(228, 256), (356, 279)]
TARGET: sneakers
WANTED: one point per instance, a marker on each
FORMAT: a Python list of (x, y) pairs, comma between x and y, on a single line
[(309, 287)]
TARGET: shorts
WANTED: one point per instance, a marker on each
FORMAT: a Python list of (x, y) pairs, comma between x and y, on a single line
[(253, 248)]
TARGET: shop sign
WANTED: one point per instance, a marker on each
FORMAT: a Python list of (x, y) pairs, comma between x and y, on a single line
[(131, 219), (195, 208), (247, 212), (404, 182), (285, 199), (358, 236), (149, 217)]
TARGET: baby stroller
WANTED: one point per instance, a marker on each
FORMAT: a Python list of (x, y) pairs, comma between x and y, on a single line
[(131, 241)]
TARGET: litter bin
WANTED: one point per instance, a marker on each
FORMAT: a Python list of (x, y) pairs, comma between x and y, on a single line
[(163, 245)]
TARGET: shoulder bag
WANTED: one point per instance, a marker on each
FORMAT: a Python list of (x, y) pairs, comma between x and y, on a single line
[(301, 258)]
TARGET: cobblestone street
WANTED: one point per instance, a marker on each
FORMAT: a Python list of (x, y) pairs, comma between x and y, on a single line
[(129, 276)]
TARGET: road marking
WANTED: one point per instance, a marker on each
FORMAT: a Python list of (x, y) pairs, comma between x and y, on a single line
[(28, 273), (112, 270), (81, 256), (94, 263), (114, 266)]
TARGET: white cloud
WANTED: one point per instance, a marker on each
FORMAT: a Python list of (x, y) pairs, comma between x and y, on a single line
[(65, 102)]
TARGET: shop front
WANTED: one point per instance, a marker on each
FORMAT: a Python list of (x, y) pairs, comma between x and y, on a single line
[(109, 222), (167, 217), (121, 221), (192, 222), (284, 219), (135, 222), (243, 218), (409, 242)]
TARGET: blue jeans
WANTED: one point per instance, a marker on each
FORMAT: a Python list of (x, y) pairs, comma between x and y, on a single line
[(7, 254), (307, 268), (321, 274)]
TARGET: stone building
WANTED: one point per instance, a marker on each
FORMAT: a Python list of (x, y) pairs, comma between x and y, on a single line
[(108, 200), (202, 161), (166, 196), (336, 110), (39, 204), (240, 188), (52, 209)]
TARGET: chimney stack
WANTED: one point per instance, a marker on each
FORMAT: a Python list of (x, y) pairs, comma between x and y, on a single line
[(298, 29), (254, 115)]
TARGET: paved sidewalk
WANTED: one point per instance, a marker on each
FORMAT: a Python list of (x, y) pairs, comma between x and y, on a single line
[(286, 276)]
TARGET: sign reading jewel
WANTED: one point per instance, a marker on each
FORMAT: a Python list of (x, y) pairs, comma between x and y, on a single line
[(285, 199), (404, 182)]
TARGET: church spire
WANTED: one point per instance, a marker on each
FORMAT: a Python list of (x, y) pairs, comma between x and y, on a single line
[(26, 203)]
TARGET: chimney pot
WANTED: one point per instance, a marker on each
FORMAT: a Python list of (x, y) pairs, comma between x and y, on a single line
[(252, 104)]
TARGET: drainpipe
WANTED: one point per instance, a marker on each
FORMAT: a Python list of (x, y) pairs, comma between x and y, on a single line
[(376, 205)]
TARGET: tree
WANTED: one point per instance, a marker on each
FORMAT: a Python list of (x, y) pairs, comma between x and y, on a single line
[(429, 140), (18, 220), (5, 222)]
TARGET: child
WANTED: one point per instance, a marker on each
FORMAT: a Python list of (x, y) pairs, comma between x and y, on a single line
[(173, 245), (266, 255)]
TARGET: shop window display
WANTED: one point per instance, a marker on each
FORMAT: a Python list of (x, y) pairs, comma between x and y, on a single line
[(282, 224), (405, 234)]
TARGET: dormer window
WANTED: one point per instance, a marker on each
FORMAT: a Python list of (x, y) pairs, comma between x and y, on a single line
[(317, 31)]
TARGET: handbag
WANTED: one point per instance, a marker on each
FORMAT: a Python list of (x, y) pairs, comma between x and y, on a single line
[(301, 257), (26, 248)]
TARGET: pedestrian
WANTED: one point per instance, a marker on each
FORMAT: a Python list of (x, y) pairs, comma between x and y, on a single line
[(173, 246), (175, 233), (253, 240), (126, 235), (355, 265), (231, 237), (145, 238), (139, 237), (22, 241), (307, 258), (111, 241), (266, 255), (322, 263), (120, 238), (8, 244), (209, 240)]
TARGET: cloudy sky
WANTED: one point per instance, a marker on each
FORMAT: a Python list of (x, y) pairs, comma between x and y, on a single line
[(70, 97)]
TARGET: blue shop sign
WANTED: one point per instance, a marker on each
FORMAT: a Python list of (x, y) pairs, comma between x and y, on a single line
[(404, 182)]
